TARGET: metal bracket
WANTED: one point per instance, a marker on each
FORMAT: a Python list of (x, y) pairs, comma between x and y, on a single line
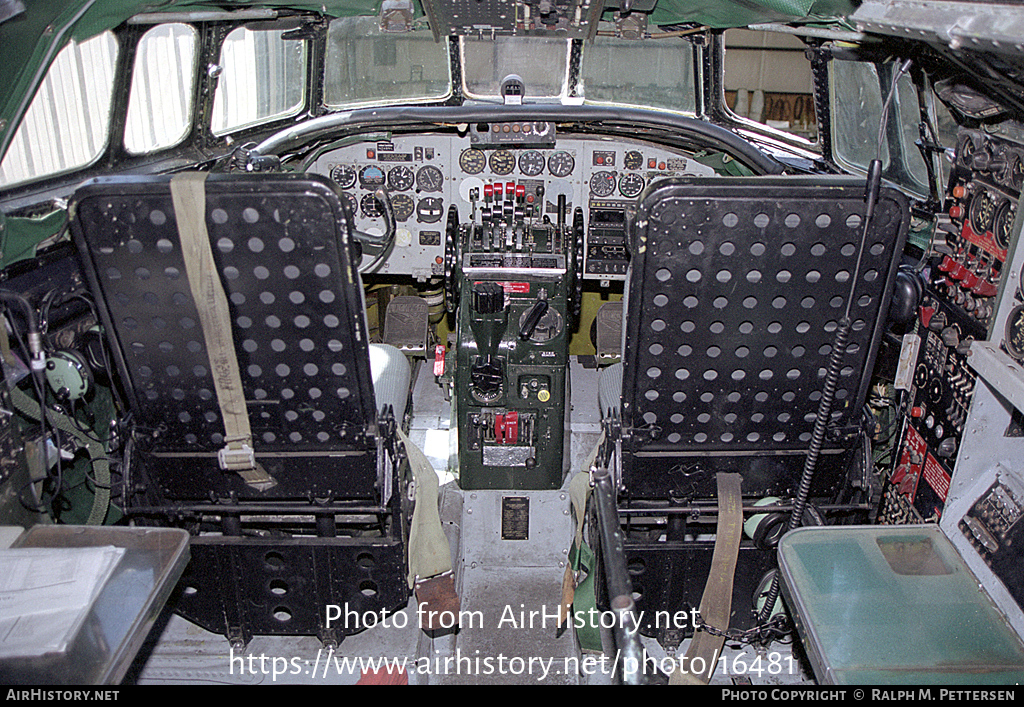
[(237, 458)]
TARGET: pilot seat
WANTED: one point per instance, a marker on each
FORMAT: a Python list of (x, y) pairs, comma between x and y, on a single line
[(261, 418)]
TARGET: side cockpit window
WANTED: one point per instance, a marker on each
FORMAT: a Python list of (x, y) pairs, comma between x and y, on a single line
[(66, 125), (160, 102), (261, 77), (876, 112), (769, 81)]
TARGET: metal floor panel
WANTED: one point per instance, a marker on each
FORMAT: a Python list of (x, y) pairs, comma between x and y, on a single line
[(513, 637)]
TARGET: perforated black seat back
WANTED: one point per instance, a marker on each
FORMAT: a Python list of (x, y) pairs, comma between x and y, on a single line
[(735, 295), (280, 243)]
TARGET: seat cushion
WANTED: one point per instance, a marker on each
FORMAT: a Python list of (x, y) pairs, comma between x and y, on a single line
[(609, 389), (391, 376)]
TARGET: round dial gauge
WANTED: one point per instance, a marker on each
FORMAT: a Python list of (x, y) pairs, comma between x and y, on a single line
[(1016, 172), (472, 161), (1014, 340), (531, 163), (633, 160), (353, 205), (502, 162), (631, 184), (1003, 224), (968, 146), (403, 206), (429, 210), (369, 206), (371, 177), (429, 178), (343, 175), (400, 178), (602, 183), (561, 163), (982, 209)]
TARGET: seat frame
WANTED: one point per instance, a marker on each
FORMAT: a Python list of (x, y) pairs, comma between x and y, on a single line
[(333, 529), (735, 291)]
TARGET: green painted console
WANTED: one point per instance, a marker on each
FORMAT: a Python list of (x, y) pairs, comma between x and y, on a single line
[(516, 297)]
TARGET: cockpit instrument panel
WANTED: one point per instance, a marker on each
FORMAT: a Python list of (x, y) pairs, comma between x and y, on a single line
[(425, 174)]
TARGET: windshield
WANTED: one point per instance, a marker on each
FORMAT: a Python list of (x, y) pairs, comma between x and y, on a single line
[(366, 65), (540, 62), (650, 73), (659, 76)]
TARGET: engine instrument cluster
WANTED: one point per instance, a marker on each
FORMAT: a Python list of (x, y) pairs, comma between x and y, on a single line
[(508, 170), (981, 206)]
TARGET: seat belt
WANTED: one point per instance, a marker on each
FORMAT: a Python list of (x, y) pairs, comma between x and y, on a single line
[(578, 596), (716, 603), (430, 557), (188, 193)]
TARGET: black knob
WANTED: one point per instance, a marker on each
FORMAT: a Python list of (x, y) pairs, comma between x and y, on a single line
[(486, 377), (488, 298)]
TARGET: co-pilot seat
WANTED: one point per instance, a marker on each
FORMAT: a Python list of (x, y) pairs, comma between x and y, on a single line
[(265, 424), (734, 295)]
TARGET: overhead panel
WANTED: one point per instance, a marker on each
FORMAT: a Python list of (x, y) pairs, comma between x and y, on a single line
[(575, 19)]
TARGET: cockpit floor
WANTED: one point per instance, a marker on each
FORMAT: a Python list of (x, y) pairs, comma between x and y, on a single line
[(510, 592)]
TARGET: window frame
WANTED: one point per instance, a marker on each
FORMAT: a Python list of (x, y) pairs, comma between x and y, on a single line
[(566, 92), (752, 130), (696, 58), (301, 108), (354, 105)]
